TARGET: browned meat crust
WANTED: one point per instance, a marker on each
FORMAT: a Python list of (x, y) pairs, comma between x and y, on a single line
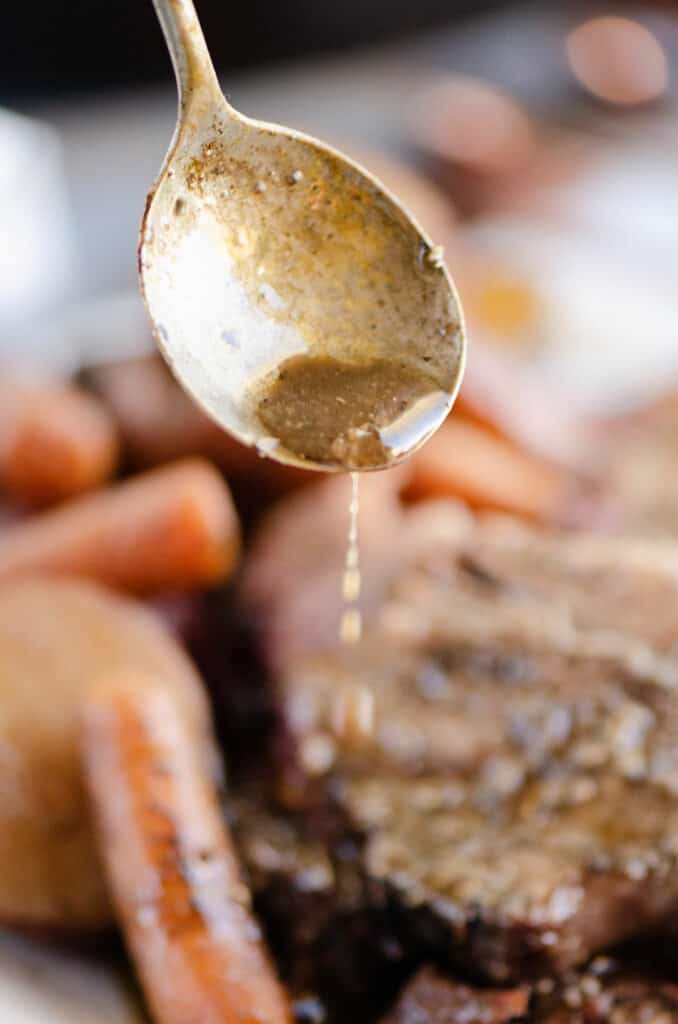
[(493, 575), (602, 994), (431, 998), (513, 810)]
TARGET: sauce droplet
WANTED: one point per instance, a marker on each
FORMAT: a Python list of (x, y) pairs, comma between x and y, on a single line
[(350, 627), (351, 584), (353, 715)]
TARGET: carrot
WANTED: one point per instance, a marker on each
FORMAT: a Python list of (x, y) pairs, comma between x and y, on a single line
[(172, 869), (157, 420), (170, 528), (500, 397), (462, 460), (55, 442)]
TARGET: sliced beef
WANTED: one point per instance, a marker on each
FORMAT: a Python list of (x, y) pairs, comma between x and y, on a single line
[(640, 471), (601, 994), (513, 809), (450, 704), (631, 1002), (604, 993), (435, 562), (517, 802), (498, 576), (542, 831), (431, 998), (333, 930)]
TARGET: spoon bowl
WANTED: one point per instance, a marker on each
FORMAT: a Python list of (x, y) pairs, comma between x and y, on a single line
[(262, 248)]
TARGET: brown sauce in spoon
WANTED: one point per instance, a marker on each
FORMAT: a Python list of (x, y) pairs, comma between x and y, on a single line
[(334, 412)]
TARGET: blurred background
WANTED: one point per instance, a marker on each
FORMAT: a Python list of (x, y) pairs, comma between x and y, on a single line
[(538, 143)]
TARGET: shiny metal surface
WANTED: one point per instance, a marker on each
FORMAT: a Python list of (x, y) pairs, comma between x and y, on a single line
[(259, 243)]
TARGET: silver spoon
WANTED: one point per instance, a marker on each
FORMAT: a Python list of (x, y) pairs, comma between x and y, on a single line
[(293, 297)]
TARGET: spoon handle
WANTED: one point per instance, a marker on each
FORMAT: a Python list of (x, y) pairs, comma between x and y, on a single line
[(193, 66)]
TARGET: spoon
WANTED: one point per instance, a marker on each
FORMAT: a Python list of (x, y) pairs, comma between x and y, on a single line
[(292, 296)]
